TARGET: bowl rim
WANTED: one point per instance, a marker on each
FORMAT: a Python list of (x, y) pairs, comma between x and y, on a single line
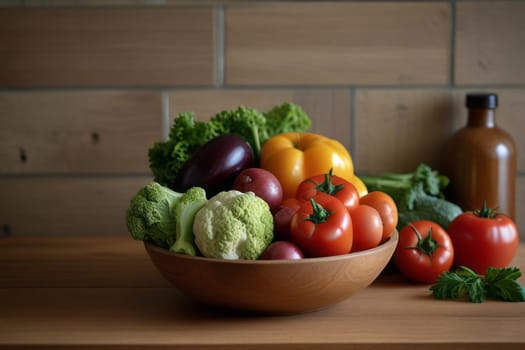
[(392, 240)]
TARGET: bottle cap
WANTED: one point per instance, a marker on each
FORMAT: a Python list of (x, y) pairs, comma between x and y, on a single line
[(482, 100)]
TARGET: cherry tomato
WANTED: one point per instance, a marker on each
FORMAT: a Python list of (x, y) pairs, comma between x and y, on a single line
[(367, 228), (330, 184), (483, 238), (387, 208), (322, 227), (424, 251)]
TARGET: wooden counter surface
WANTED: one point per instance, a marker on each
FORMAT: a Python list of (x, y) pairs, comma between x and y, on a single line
[(103, 292)]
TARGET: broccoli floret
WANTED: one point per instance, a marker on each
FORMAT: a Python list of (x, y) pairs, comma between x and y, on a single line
[(418, 195), (233, 225), (150, 215), (185, 209), (405, 188)]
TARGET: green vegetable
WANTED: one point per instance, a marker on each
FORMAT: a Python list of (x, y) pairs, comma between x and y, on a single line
[(233, 225), (186, 135), (418, 195), (247, 122), (150, 214), (500, 284), (185, 209)]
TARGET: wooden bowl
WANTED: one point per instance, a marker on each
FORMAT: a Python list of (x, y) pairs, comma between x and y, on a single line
[(273, 286)]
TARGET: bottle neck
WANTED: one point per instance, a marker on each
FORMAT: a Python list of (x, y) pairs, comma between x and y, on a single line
[(481, 117)]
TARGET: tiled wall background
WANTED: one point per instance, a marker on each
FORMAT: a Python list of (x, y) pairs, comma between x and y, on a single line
[(86, 87)]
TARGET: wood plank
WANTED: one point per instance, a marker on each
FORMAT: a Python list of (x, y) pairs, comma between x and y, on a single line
[(123, 314), (398, 129), (60, 260), (103, 47), (337, 43), (78, 132), (67, 205), (489, 42), (329, 108)]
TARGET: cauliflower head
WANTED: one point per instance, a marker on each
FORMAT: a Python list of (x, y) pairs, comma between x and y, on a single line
[(233, 225)]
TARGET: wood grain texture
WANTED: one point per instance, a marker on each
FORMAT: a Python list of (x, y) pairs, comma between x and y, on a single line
[(329, 108), (85, 47), (337, 43), (78, 132), (489, 42), (398, 129), (67, 205), (130, 314)]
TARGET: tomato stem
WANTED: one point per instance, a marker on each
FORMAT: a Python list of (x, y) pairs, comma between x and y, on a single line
[(327, 186), (426, 245), (319, 214), (485, 212)]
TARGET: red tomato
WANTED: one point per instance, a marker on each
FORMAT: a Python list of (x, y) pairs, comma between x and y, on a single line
[(483, 238), (283, 216), (367, 228), (387, 208), (424, 251), (322, 227), (330, 184)]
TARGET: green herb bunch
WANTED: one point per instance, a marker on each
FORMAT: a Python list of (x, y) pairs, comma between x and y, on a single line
[(498, 283)]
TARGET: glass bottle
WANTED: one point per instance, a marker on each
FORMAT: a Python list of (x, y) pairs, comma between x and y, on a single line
[(480, 160)]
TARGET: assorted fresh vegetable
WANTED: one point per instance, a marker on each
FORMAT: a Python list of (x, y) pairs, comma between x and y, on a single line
[(252, 185), (418, 195), (186, 135), (295, 156)]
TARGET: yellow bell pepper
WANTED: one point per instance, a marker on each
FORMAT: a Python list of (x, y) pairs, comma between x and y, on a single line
[(294, 156)]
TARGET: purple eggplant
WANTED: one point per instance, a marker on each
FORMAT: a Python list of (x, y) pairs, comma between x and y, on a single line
[(215, 165)]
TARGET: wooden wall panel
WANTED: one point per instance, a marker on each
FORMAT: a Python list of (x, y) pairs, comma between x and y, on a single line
[(328, 108), (68, 47), (490, 37), (66, 205), (398, 129), (337, 43), (78, 132)]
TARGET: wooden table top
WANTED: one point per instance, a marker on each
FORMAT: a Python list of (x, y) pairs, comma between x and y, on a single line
[(103, 292)]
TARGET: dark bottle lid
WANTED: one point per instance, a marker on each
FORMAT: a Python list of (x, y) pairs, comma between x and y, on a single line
[(482, 100)]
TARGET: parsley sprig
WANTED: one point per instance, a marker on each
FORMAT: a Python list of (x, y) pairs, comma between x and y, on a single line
[(500, 284)]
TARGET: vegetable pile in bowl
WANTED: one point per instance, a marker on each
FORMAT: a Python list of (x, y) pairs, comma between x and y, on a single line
[(271, 217)]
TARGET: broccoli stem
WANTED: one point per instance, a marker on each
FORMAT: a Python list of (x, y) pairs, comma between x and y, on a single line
[(185, 211)]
